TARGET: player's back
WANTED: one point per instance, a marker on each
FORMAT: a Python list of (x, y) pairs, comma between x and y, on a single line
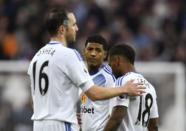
[(54, 86), (140, 108)]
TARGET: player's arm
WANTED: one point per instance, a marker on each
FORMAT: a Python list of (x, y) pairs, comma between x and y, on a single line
[(130, 88), (116, 118), (153, 124)]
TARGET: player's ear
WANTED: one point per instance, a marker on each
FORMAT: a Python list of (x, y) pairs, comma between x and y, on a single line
[(61, 30)]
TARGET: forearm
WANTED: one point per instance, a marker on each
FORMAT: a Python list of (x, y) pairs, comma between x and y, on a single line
[(116, 118), (112, 125), (100, 93), (153, 124), (153, 128)]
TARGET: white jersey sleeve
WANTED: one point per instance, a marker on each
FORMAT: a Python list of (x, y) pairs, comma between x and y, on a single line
[(122, 100)]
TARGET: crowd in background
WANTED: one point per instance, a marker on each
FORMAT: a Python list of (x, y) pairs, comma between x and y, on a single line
[(155, 28)]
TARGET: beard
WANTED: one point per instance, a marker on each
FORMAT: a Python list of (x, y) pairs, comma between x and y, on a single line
[(70, 37)]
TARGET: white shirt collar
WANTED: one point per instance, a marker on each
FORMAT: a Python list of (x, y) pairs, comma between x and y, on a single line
[(55, 42)]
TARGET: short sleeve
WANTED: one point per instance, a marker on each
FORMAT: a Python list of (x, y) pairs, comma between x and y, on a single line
[(124, 99), (121, 101)]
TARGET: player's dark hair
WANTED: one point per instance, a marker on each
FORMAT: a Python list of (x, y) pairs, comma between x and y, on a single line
[(97, 39), (123, 50), (56, 18)]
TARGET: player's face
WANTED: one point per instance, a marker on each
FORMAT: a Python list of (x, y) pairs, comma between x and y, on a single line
[(94, 54), (71, 28), (113, 61)]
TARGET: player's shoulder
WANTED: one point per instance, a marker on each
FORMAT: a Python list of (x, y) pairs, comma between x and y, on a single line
[(65, 52), (69, 53), (74, 53), (107, 71), (133, 75), (127, 77), (119, 80), (63, 49)]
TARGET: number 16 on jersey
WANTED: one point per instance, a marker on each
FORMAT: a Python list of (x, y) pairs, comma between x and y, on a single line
[(42, 76)]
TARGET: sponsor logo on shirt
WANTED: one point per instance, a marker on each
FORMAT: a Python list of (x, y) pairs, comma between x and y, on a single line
[(87, 110), (83, 99), (84, 109)]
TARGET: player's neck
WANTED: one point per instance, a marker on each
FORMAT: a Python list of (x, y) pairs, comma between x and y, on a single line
[(129, 68), (60, 39), (93, 70)]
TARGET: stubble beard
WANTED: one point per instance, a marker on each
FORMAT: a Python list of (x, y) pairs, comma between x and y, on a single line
[(71, 39)]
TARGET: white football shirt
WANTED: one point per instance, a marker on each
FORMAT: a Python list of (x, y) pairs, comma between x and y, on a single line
[(56, 73), (140, 108), (95, 114)]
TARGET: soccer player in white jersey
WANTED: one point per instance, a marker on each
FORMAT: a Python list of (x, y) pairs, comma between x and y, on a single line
[(131, 113), (57, 72), (94, 114)]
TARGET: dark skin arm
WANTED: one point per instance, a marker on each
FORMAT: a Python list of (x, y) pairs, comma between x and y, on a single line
[(116, 118), (118, 115), (153, 124)]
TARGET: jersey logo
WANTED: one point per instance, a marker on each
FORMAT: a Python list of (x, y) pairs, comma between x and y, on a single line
[(99, 80), (85, 108), (83, 99)]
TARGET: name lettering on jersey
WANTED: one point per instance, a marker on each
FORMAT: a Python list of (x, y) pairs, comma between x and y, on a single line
[(48, 51), (87, 110), (144, 82)]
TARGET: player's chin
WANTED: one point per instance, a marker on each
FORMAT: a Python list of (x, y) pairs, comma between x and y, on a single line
[(95, 65), (71, 40), (93, 62), (74, 39)]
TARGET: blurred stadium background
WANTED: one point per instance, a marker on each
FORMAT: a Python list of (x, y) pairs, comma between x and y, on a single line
[(155, 28)]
